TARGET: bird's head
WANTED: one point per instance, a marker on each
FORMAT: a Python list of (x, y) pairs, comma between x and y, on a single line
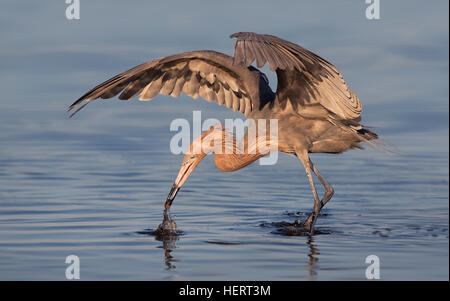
[(198, 149)]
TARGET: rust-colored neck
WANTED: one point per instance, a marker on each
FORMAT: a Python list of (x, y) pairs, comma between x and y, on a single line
[(232, 162), (231, 156)]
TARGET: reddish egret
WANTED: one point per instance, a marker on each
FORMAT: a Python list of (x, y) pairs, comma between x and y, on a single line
[(316, 110)]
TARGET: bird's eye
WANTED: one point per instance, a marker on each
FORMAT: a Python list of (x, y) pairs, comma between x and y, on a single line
[(192, 157)]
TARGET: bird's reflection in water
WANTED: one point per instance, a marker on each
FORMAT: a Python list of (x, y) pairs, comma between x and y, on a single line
[(168, 234), (296, 229), (313, 258), (168, 245)]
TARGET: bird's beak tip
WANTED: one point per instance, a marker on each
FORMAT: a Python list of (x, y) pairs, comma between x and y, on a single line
[(172, 194)]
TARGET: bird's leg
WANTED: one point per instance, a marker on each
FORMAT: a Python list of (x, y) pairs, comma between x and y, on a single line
[(303, 156), (329, 191)]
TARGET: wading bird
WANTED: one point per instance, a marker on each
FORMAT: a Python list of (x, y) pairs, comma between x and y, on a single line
[(316, 110)]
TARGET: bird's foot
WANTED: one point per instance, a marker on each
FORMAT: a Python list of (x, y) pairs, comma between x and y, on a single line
[(310, 221)]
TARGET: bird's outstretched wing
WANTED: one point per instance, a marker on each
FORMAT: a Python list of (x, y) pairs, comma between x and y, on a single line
[(304, 78), (208, 74)]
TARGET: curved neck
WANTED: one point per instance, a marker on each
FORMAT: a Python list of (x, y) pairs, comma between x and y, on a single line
[(233, 162), (230, 156)]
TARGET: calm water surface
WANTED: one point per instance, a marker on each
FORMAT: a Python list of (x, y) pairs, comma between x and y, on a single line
[(94, 186), (97, 192)]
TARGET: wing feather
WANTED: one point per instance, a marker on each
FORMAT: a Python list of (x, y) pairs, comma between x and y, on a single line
[(220, 96), (228, 97), (260, 57), (169, 82), (150, 91)]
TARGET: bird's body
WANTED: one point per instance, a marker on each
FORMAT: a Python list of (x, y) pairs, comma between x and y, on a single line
[(316, 111)]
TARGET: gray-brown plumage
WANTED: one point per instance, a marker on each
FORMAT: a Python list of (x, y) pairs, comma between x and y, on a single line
[(316, 110)]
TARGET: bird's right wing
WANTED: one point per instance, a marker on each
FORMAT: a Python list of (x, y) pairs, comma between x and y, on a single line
[(208, 74), (305, 79)]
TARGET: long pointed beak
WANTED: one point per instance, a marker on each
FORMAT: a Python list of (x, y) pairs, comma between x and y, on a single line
[(183, 174), (172, 194)]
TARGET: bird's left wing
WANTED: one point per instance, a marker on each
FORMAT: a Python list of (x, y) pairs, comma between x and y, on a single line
[(208, 74)]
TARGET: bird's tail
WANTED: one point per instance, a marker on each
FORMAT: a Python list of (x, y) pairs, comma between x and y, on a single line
[(367, 134), (363, 134)]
